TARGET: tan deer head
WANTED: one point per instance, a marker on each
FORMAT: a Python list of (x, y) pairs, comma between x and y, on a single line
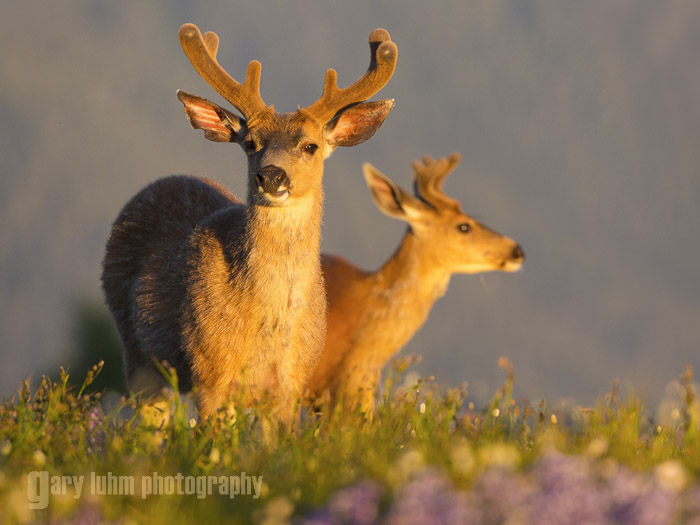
[(454, 241), (286, 150)]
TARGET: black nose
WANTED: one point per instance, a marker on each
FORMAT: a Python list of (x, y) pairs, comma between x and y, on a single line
[(272, 179), (518, 253)]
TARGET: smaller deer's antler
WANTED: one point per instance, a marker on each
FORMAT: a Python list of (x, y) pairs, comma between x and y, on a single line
[(428, 177), (202, 53), (384, 55)]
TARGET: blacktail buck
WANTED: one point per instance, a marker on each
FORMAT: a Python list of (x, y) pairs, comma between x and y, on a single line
[(232, 294), (373, 314)]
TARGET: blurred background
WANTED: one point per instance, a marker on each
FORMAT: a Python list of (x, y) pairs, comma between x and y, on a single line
[(578, 124)]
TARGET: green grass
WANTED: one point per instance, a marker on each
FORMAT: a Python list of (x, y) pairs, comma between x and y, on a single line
[(65, 431)]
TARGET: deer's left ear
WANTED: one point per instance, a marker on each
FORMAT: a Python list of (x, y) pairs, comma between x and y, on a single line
[(390, 198), (357, 123)]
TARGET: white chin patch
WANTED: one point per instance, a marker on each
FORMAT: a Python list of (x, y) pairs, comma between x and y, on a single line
[(276, 198), (512, 266)]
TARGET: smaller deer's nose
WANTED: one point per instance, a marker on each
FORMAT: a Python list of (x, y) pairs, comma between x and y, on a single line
[(272, 179), (518, 253)]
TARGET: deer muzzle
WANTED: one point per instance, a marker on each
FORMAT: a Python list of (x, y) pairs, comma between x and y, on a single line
[(515, 261), (273, 182), (518, 253)]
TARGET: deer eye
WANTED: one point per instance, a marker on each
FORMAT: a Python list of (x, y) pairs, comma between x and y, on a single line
[(310, 148), (249, 146), (464, 227)]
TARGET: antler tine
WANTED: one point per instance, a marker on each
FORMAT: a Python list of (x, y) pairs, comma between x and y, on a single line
[(428, 178), (202, 53), (383, 57), (211, 42)]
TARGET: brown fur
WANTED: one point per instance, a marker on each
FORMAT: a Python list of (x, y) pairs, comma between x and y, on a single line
[(232, 295), (372, 315)]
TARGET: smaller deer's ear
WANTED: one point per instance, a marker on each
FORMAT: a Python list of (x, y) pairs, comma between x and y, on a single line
[(391, 199), (219, 125), (357, 123)]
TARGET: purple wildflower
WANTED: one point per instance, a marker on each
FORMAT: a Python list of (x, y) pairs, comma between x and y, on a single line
[(431, 498), (504, 494), (96, 434), (568, 492), (356, 504), (691, 505), (635, 499), (557, 489)]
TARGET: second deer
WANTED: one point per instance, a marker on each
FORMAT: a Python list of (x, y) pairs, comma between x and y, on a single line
[(372, 315), (231, 295)]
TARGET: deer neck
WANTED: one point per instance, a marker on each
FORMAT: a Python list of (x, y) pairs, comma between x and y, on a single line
[(407, 286), (283, 250), (412, 268)]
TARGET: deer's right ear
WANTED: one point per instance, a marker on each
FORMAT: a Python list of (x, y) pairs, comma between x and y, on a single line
[(219, 125)]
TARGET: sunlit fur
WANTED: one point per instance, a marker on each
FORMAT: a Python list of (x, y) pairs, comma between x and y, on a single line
[(232, 295), (372, 315)]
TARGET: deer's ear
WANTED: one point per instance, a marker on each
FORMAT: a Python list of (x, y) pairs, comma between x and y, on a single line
[(390, 198), (219, 125), (357, 123)]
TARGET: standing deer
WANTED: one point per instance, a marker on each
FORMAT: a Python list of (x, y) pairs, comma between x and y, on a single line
[(232, 295), (373, 314)]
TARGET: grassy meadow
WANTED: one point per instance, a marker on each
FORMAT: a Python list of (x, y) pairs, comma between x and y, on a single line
[(428, 456)]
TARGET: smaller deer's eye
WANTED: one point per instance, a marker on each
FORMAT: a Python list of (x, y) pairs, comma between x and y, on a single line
[(249, 145), (310, 148), (464, 227)]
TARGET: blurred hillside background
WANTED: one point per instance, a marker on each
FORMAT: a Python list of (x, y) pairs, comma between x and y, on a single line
[(578, 123)]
